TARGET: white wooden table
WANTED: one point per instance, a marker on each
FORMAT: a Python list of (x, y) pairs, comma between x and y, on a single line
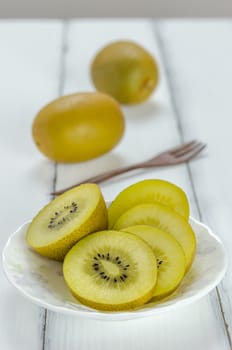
[(40, 61)]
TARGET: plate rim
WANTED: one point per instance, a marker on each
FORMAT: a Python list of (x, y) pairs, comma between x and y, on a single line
[(117, 315)]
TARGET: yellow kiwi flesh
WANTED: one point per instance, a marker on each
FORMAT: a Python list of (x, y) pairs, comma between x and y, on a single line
[(149, 191), (165, 219), (111, 270), (66, 219), (170, 258)]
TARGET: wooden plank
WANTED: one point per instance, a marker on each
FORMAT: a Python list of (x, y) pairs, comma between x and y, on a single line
[(185, 328), (201, 77), (154, 125), (29, 66)]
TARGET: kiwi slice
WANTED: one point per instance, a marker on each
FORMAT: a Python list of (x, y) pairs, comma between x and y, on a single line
[(111, 270), (66, 219), (170, 258), (165, 219), (149, 191)]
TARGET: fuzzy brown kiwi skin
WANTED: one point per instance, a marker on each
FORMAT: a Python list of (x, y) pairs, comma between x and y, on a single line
[(59, 249), (119, 307)]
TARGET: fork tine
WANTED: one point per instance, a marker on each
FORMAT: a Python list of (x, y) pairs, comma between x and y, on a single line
[(181, 147), (187, 149), (193, 153)]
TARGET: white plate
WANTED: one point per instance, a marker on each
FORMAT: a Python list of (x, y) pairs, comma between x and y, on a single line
[(41, 280)]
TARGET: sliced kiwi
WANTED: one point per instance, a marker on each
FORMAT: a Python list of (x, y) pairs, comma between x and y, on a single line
[(149, 191), (165, 219), (66, 219), (111, 270), (170, 258)]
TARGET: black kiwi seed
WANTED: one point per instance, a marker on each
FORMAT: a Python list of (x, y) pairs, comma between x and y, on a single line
[(53, 223), (97, 260), (159, 263)]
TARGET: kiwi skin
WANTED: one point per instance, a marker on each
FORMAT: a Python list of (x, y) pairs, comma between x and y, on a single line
[(166, 295), (60, 248), (120, 307)]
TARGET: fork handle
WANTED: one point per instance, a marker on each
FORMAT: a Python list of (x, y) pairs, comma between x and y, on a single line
[(102, 177)]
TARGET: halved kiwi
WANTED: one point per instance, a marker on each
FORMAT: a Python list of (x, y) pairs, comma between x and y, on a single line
[(165, 219), (66, 219), (170, 258), (111, 270), (149, 191)]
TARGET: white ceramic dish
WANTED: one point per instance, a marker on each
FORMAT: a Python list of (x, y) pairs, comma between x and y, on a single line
[(41, 280)]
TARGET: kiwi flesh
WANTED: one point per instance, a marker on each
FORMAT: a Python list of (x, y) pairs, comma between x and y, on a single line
[(111, 270), (149, 191), (170, 258), (165, 219), (66, 219)]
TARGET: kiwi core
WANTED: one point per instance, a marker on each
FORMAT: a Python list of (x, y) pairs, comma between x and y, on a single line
[(110, 268), (61, 217)]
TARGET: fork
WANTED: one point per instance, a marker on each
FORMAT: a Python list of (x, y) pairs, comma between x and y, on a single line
[(177, 155)]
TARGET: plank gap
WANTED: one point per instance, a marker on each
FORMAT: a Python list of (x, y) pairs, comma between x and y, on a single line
[(60, 91), (54, 181), (224, 317), (62, 73), (63, 53), (176, 113), (44, 328), (178, 117)]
